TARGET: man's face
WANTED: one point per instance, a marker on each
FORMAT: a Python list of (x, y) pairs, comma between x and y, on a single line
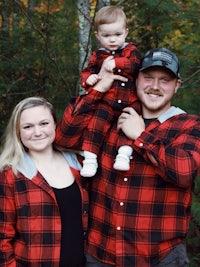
[(155, 89)]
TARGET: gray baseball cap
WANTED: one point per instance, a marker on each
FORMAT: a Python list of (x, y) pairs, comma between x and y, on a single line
[(161, 57)]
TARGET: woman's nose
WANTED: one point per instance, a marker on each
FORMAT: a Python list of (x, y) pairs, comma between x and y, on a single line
[(37, 130)]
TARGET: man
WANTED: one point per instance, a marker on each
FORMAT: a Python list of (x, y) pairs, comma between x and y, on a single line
[(139, 218)]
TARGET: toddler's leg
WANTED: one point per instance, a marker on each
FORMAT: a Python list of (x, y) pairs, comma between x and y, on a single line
[(122, 161), (89, 164)]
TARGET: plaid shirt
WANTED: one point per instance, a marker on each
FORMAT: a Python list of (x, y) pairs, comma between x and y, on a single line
[(137, 217), (119, 96), (127, 61), (30, 223)]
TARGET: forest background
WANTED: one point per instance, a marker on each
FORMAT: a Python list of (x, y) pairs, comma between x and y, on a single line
[(45, 44)]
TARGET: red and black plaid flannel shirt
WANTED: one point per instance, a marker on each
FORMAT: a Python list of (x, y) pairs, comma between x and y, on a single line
[(127, 61), (30, 223), (138, 216), (119, 96)]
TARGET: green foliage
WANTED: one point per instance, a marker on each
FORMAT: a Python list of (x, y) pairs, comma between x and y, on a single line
[(176, 26), (39, 56)]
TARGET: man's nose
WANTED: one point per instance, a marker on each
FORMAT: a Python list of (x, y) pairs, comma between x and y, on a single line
[(155, 84)]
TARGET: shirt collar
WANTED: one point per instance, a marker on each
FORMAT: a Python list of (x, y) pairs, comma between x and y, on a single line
[(27, 167)]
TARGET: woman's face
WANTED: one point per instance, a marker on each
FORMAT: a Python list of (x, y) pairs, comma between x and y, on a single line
[(37, 129)]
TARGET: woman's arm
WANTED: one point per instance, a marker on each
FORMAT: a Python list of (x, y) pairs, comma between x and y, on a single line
[(7, 221)]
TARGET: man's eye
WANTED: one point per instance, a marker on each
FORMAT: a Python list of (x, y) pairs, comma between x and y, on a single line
[(148, 78), (165, 80)]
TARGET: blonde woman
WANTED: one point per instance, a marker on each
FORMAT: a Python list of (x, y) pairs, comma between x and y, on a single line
[(42, 221)]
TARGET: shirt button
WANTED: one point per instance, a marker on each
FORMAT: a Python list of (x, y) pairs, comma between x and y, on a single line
[(125, 179), (119, 70), (118, 228), (121, 204), (85, 211), (119, 101), (122, 84), (141, 144)]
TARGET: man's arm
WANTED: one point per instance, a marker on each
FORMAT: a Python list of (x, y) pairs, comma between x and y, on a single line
[(78, 113), (175, 157)]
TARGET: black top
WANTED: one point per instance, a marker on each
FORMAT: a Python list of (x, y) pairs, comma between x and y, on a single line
[(70, 206), (148, 121)]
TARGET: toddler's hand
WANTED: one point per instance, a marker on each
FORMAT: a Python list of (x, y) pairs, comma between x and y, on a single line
[(92, 79), (110, 65)]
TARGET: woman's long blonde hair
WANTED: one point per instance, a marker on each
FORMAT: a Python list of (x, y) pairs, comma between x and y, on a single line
[(13, 149)]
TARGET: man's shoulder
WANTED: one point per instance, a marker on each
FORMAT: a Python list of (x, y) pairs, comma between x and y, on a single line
[(175, 113), (185, 122), (189, 116)]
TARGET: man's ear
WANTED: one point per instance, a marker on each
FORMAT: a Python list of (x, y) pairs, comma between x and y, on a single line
[(127, 31), (178, 84)]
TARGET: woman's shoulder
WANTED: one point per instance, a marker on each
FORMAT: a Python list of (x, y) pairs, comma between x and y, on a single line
[(72, 159), (7, 175)]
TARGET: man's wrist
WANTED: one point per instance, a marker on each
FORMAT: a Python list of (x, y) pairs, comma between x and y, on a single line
[(100, 88)]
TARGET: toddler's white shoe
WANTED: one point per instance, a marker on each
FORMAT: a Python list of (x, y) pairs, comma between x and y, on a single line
[(122, 163), (89, 168)]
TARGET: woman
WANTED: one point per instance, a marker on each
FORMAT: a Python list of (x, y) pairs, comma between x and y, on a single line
[(42, 200)]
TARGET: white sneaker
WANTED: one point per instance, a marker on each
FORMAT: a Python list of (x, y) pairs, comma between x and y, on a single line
[(89, 168), (122, 163)]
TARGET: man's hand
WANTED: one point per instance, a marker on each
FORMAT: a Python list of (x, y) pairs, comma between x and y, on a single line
[(107, 78), (131, 123), (110, 65)]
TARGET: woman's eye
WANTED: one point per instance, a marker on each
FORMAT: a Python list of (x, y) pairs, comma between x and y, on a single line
[(27, 127), (44, 123)]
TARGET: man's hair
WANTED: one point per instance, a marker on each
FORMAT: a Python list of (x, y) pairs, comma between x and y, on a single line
[(109, 14)]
